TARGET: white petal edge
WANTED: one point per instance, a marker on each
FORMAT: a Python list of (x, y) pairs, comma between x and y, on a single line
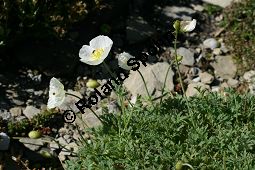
[(101, 41), (85, 52), (190, 26)]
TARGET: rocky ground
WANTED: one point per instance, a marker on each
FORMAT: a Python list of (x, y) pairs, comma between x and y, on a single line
[(207, 63)]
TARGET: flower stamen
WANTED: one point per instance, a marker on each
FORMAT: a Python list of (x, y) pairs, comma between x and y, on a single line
[(97, 53)]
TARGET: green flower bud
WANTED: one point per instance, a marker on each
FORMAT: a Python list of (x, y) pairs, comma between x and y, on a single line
[(179, 165), (92, 83), (45, 154), (177, 25), (179, 58), (34, 134)]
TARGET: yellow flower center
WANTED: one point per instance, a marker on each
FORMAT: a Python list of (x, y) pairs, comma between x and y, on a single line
[(97, 53)]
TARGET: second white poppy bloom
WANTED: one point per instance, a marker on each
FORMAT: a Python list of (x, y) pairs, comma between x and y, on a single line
[(56, 93), (123, 59), (188, 26), (97, 50)]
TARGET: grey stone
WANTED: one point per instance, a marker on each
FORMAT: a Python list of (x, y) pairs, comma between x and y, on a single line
[(206, 78), (221, 3), (32, 144), (16, 111), (249, 76), (233, 83), (70, 101), (154, 77), (138, 29), (31, 111), (194, 71), (223, 48), (4, 141), (192, 91), (178, 12), (211, 43), (188, 56), (215, 88), (38, 93), (217, 51), (91, 120), (196, 80), (18, 102), (224, 67), (5, 115)]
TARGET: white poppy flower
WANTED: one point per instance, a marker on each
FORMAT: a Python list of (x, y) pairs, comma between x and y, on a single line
[(97, 50), (188, 26), (56, 93), (123, 59)]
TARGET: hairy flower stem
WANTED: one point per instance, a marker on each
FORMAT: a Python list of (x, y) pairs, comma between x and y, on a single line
[(178, 70)]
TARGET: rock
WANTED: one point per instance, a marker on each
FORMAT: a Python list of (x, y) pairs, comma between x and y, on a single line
[(206, 78), (113, 107), (70, 101), (194, 71), (154, 76), (38, 93), (217, 51), (224, 67), (61, 141), (223, 48), (199, 8), (91, 120), (4, 141), (188, 56), (138, 29), (5, 115), (32, 144), (18, 102), (16, 111), (215, 88), (221, 3), (233, 83), (210, 43), (31, 111), (223, 86), (197, 79), (184, 69), (192, 91), (178, 12), (249, 76)]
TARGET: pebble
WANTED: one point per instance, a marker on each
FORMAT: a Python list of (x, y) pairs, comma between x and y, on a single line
[(31, 111), (192, 91), (224, 67), (5, 115), (188, 56), (206, 78), (4, 141), (210, 43), (16, 111), (233, 83), (249, 76), (217, 51)]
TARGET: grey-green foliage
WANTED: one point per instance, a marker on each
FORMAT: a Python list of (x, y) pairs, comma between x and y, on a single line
[(218, 134)]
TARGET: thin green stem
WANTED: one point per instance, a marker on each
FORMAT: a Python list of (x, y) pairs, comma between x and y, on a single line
[(145, 85), (163, 88), (178, 70)]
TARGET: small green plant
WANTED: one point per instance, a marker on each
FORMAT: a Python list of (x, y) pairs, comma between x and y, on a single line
[(212, 9), (219, 133)]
